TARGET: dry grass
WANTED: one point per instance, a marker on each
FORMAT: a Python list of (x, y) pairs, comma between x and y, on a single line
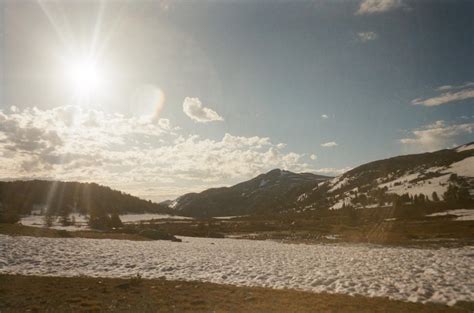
[(442, 231), (52, 294)]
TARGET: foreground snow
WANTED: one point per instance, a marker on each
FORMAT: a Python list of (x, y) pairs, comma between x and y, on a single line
[(421, 275)]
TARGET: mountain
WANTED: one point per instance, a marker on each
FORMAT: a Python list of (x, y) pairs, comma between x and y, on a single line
[(442, 175), (26, 196), (269, 192), (408, 179), (378, 183)]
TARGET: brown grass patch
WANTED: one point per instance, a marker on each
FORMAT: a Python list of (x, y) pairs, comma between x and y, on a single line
[(82, 294)]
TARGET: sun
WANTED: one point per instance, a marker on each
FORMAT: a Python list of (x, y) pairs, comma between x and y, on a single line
[(84, 77)]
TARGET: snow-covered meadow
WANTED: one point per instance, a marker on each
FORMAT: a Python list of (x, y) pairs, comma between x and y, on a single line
[(421, 275)]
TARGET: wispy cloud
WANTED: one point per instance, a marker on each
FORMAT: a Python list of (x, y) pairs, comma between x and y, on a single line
[(436, 136), (324, 116), (329, 144), (193, 108), (367, 36), (455, 87), (378, 6), (450, 94)]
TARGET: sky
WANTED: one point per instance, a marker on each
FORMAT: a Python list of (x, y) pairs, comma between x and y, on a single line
[(161, 98)]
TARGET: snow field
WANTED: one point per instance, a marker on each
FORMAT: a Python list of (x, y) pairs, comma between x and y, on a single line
[(418, 275)]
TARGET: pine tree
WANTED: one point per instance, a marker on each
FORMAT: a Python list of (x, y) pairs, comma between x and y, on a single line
[(64, 213), (48, 218), (451, 194)]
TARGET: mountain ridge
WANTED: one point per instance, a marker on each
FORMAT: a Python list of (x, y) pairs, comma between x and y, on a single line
[(374, 183), (260, 193), (24, 196)]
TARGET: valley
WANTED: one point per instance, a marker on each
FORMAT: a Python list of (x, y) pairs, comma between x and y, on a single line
[(368, 233)]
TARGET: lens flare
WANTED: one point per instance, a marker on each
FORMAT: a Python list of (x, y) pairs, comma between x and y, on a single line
[(147, 100)]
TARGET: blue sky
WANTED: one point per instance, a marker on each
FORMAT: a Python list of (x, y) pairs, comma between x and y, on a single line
[(318, 86)]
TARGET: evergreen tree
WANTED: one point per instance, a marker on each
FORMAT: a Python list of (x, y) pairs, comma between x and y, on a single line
[(48, 218), (64, 213), (451, 194), (115, 221), (8, 215), (463, 195)]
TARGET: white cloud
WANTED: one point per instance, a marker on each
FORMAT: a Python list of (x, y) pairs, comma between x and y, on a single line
[(378, 6), (164, 123), (329, 144), (367, 36), (436, 136), (131, 153), (324, 116), (313, 157), (193, 108), (332, 170), (450, 94)]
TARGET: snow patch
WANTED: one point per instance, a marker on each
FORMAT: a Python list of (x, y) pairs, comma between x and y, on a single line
[(401, 180), (426, 187), (338, 183), (465, 147), (302, 197), (462, 168), (339, 204), (81, 220), (38, 221), (421, 275), (462, 214), (228, 217), (130, 218)]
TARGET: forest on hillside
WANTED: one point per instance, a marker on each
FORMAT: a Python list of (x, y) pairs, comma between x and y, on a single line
[(61, 198)]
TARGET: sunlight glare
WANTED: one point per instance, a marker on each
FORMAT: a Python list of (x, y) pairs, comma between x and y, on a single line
[(84, 77)]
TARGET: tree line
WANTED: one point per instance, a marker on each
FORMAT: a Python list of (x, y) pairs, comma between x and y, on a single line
[(56, 198)]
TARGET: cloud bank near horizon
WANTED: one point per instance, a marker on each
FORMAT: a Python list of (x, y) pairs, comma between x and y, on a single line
[(141, 155)]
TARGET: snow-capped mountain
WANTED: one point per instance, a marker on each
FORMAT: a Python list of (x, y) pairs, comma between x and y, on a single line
[(271, 191), (372, 184)]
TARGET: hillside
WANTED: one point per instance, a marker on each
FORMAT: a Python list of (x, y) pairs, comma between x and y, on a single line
[(23, 197), (416, 179), (381, 182), (269, 192)]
